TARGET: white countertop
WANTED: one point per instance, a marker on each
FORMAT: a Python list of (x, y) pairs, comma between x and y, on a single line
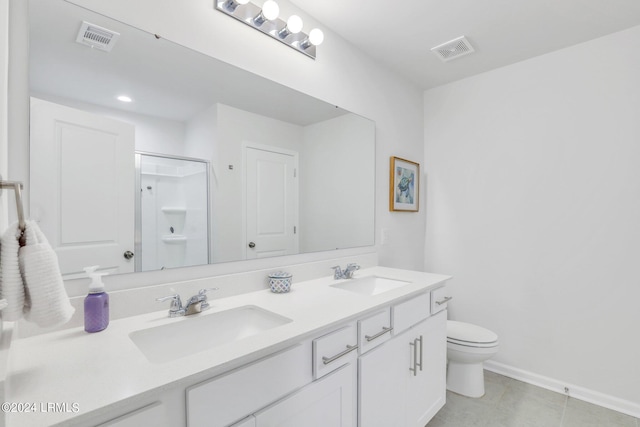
[(96, 373)]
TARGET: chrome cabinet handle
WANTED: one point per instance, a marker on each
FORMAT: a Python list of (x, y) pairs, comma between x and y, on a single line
[(414, 369), (420, 364), (128, 255), (416, 364), (252, 245), (327, 360), (444, 301), (379, 334)]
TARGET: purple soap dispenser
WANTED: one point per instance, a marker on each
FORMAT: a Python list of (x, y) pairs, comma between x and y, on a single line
[(96, 304)]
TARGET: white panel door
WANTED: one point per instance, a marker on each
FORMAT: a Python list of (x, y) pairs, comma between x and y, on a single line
[(271, 202), (82, 186)]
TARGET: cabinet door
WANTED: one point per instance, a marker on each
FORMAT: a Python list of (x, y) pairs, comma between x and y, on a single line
[(328, 402), (426, 389), (382, 376), (403, 382)]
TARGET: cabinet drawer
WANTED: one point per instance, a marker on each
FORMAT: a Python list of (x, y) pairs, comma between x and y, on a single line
[(408, 313), (439, 299), (229, 397), (374, 330), (334, 350)]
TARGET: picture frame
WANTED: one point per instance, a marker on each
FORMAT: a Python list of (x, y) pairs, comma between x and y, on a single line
[(404, 185)]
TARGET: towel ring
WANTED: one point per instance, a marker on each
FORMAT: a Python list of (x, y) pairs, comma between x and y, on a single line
[(17, 188)]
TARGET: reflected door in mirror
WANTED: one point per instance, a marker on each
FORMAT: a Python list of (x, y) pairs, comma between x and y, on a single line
[(271, 202), (81, 192)]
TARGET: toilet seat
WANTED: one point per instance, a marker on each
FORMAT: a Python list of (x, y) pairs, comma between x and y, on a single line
[(466, 334), (472, 345)]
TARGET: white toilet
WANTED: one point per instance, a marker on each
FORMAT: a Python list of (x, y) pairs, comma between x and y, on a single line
[(468, 346)]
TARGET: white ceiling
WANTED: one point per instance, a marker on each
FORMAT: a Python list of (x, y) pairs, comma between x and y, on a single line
[(401, 34)]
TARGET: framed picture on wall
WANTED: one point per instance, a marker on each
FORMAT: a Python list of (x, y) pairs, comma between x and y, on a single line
[(404, 180)]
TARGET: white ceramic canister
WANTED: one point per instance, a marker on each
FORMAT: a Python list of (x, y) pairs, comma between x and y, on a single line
[(280, 282)]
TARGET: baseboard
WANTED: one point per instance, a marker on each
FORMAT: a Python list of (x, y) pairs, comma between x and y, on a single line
[(581, 393)]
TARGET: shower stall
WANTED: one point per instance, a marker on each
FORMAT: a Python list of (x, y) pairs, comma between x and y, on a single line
[(172, 212)]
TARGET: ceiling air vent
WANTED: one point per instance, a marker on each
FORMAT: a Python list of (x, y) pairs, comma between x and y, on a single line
[(97, 37), (453, 49)]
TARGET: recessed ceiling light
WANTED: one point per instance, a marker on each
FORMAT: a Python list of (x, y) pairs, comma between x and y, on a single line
[(124, 98)]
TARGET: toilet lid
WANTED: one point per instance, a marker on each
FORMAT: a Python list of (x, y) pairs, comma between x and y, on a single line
[(466, 332)]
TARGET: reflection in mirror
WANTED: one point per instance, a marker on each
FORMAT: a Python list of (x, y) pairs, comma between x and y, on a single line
[(285, 173), (172, 227)]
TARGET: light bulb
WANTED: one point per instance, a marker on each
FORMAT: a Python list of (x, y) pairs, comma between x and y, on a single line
[(270, 10), (316, 37), (124, 98), (294, 24)]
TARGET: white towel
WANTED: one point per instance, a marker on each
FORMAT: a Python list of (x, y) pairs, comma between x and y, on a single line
[(11, 284), (45, 301)]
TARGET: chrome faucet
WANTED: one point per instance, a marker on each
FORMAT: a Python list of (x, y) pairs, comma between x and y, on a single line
[(347, 273), (195, 304)]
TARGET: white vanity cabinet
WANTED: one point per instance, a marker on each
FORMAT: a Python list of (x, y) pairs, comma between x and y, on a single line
[(402, 382), (386, 369), (279, 391)]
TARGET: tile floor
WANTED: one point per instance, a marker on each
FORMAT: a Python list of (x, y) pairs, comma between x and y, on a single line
[(511, 403)]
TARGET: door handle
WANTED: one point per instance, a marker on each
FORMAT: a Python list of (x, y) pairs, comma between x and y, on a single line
[(252, 245), (420, 364), (128, 255), (416, 365)]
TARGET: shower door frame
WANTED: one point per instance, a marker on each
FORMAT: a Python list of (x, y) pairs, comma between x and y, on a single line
[(138, 203)]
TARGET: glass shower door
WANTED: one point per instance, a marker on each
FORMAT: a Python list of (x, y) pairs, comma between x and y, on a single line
[(172, 212)]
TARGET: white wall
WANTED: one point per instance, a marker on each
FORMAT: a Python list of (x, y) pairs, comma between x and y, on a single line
[(340, 75), (337, 154), (4, 64), (533, 204), (16, 100)]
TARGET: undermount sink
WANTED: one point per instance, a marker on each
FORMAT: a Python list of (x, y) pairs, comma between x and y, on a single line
[(193, 334), (370, 285)]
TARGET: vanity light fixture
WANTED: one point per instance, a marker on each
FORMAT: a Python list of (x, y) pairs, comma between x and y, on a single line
[(232, 4), (265, 19)]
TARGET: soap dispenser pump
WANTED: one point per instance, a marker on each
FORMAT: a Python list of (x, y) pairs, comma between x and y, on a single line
[(96, 304)]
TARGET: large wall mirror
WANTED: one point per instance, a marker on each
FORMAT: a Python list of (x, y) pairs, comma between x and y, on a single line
[(205, 163)]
